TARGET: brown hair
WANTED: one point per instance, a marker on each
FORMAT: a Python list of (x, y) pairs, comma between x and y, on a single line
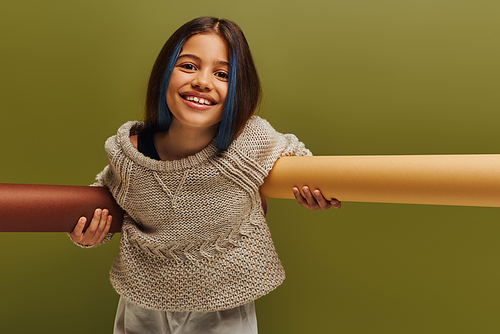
[(244, 91)]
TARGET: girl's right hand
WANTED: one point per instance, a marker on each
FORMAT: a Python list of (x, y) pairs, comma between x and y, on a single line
[(97, 230)]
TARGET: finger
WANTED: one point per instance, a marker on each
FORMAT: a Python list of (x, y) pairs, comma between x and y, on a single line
[(92, 228), (101, 224), (78, 230), (106, 229), (322, 201), (336, 203), (108, 224), (311, 201), (300, 199)]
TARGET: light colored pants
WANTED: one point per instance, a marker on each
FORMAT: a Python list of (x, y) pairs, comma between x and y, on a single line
[(133, 319)]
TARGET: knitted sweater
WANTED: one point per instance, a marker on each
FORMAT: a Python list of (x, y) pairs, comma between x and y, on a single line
[(194, 236)]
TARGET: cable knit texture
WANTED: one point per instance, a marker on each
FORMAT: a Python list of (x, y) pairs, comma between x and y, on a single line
[(194, 236)]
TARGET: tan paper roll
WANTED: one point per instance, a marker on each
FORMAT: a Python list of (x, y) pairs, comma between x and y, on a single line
[(466, 180), (49, 208)]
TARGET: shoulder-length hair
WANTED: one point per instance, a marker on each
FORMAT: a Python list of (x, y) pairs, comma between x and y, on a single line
[(244, 90)]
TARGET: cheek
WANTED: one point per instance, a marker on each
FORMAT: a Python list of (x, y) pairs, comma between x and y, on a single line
[(223, 93), (168, 100), (171, 92), (174, 83)]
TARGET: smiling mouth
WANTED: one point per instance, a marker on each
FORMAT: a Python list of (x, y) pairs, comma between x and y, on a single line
[(198, 100)]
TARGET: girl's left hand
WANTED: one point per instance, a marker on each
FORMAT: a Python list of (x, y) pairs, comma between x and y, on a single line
[(314, 200)]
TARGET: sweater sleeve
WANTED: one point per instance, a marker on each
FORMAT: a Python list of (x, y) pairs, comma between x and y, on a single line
[(99, 182), (261, 142)]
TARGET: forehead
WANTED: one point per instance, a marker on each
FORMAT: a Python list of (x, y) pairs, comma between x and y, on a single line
[(207, 47)]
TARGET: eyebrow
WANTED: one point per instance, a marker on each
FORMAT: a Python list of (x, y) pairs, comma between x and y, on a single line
[(189, 55)]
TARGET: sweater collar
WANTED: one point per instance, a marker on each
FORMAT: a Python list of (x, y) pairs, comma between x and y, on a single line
[(123, 139)]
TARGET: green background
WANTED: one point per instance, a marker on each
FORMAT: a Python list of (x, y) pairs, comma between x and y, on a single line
[(347, 77)]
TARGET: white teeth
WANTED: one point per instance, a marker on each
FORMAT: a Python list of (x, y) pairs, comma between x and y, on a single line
[(198, 100)]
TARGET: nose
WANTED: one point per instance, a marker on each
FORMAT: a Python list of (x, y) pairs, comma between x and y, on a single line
[(202, 80)]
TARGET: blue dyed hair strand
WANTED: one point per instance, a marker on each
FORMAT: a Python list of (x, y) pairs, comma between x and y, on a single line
[(164, 119), (227, 124)]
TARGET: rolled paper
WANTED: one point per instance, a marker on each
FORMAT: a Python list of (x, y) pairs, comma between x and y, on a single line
[(50, 208), (465, 180)]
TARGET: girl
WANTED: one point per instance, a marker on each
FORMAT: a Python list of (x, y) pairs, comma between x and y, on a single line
[(195, 249)]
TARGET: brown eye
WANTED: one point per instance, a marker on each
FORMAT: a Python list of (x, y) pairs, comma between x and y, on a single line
[(222, 75), (189, 67)]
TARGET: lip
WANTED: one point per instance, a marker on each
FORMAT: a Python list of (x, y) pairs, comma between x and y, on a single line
[(196, 106), (200, 96)]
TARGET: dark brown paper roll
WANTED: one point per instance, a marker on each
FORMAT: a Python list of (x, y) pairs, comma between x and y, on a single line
[(50, 208)]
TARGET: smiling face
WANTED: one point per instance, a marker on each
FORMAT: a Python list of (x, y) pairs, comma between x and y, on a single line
[(198, 84)]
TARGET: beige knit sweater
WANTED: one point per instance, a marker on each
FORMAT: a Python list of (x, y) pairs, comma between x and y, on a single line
[(194, 236)]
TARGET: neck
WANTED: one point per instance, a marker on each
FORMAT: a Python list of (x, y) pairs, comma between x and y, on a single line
[(180, 142)]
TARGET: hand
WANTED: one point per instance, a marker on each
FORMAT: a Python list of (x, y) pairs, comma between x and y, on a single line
[(314, 200), (97, 230)]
